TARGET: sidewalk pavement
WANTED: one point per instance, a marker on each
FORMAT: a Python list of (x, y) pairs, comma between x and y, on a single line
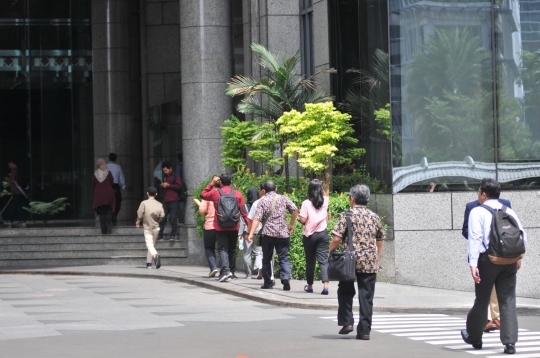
[(388, 297)]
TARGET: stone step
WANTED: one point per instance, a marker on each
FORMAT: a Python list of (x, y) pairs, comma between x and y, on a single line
[(87, 254), (119, 239), (68, 231), (81, 246), (67, 262)]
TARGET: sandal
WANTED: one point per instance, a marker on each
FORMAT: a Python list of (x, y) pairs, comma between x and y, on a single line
[(306, 289)]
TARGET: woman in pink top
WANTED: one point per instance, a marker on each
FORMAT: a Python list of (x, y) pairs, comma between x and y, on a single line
[(313, 215), (206, 208)]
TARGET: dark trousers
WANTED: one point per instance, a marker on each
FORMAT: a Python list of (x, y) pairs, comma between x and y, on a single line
[(209, 237), (366, 291), (171, 209), (17, 212), (105, 218), (226, 241), (316, 247), (281, 245), (504, 279), (118, 197)]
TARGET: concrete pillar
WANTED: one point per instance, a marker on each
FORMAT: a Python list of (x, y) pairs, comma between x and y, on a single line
[(206, 66), (113, 88)]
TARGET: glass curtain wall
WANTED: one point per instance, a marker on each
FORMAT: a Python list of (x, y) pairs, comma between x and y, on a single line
[(359, 53), (463, 94), (46, 99)]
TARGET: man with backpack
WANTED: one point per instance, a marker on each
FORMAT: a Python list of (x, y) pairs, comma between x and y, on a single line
[(496, 245), (494, 317), (229, 206), (172, 184)]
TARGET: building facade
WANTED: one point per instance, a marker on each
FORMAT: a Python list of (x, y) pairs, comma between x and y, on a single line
[(146, 80)]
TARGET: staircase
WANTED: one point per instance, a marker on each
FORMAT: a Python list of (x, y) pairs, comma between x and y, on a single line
[(81, 246)]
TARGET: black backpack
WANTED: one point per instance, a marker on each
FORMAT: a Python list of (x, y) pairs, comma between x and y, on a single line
[(228, 212), (182, 193), (506, 245)]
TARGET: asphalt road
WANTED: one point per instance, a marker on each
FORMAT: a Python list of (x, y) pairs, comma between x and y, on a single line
[(44, 316)]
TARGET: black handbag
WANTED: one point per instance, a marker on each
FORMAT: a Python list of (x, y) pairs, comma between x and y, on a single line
[(342, 265)]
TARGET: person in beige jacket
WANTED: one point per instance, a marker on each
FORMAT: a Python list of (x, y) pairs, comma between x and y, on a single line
[(151, 213)]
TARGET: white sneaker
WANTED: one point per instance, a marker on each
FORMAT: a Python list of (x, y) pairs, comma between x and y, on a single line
[(213, 273), (224, 277)]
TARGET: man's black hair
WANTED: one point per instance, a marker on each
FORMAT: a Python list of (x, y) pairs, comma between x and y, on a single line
[(269, 186), (225, 179), (166, 165), (112, 157), (491, 188), (152, 191)]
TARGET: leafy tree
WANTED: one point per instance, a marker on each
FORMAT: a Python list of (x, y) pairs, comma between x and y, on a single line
[(315, 133), (279, 90), (237, 138)]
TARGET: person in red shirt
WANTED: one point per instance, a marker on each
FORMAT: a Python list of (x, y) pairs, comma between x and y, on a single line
[(172, 183), (226, 236)]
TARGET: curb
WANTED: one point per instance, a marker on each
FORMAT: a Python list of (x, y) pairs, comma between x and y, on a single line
[(521, 310)]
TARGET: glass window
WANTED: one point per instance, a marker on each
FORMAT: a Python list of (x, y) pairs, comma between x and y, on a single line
[(306, 36), (442, 94)]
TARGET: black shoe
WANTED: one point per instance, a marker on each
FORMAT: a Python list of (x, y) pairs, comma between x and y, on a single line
[(148, 265), (468, 340), (233, 277), (225, 277), (160, 238), (346, 330), (172, 238), (364, 337), (264, 287), (286, 285), (510, 349), (157, 261)]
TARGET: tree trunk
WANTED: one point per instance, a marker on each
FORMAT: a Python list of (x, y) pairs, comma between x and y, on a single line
[(287, 176)]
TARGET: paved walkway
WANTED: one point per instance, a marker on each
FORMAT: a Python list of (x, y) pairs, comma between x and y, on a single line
[(388, 297)]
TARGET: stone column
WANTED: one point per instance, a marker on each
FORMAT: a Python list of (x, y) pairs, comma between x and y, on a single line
[(206, 66), (112, 90)]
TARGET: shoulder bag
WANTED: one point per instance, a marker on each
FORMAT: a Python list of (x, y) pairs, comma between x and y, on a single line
[(342, 265), (257, 237)]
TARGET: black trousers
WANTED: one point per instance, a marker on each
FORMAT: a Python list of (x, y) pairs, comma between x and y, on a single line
[(316, 247), (118, 197), (366, 291), (226, 242), (105, 218), (504, 279), (209, 237), (17, 213), (281, 245), (171, 209)]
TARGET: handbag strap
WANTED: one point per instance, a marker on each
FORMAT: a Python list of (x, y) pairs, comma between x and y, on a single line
[(269, 214), (349, 232)]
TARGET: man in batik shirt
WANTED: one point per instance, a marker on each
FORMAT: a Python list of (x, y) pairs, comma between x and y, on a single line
[(367, 238)]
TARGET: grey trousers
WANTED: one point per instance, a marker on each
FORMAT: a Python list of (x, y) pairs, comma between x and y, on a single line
[(249, 249), (316, 247), (504, 279)]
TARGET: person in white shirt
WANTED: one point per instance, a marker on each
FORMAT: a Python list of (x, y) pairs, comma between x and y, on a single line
[(119, 183), (486, 274)]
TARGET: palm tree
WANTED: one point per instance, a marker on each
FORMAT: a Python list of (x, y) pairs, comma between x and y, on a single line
[(280, 89)]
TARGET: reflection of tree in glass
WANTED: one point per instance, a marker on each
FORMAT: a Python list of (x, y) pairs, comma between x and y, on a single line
[(449, 92)]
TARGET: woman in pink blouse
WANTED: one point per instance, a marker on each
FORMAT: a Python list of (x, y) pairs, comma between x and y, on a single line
[(313, 215), (206, 208)]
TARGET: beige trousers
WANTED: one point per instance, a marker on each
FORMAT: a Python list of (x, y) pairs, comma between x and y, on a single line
[(493, 311), (150, 238)]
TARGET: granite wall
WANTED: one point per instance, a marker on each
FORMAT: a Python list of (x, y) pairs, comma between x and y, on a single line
[(430, 250)]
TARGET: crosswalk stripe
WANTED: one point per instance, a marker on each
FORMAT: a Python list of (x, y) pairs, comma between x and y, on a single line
[(494, 345), (441, 333), (423, 319), (419, 321), (450, 334), (484, 340), (482, 352), (377, 326), (434, 316), (533, 355), (398, 330)]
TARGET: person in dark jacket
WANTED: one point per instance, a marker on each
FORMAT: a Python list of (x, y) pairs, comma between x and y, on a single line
[(172, 183), (104, 200), (18, 196)]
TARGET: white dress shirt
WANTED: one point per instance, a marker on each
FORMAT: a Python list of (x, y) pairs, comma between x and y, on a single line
[(117, 174), (480, 228)]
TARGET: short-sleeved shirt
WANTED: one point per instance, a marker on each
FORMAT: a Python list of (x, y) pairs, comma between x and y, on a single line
[(367, 229), (251, 215), (275, 225), (208, 207), (315, 218)]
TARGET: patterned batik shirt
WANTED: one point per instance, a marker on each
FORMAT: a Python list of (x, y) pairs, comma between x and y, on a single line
[(367, 229), (276, 225)]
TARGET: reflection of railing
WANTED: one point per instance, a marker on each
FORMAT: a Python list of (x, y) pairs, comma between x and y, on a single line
[(45, 60), (506, 172)]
